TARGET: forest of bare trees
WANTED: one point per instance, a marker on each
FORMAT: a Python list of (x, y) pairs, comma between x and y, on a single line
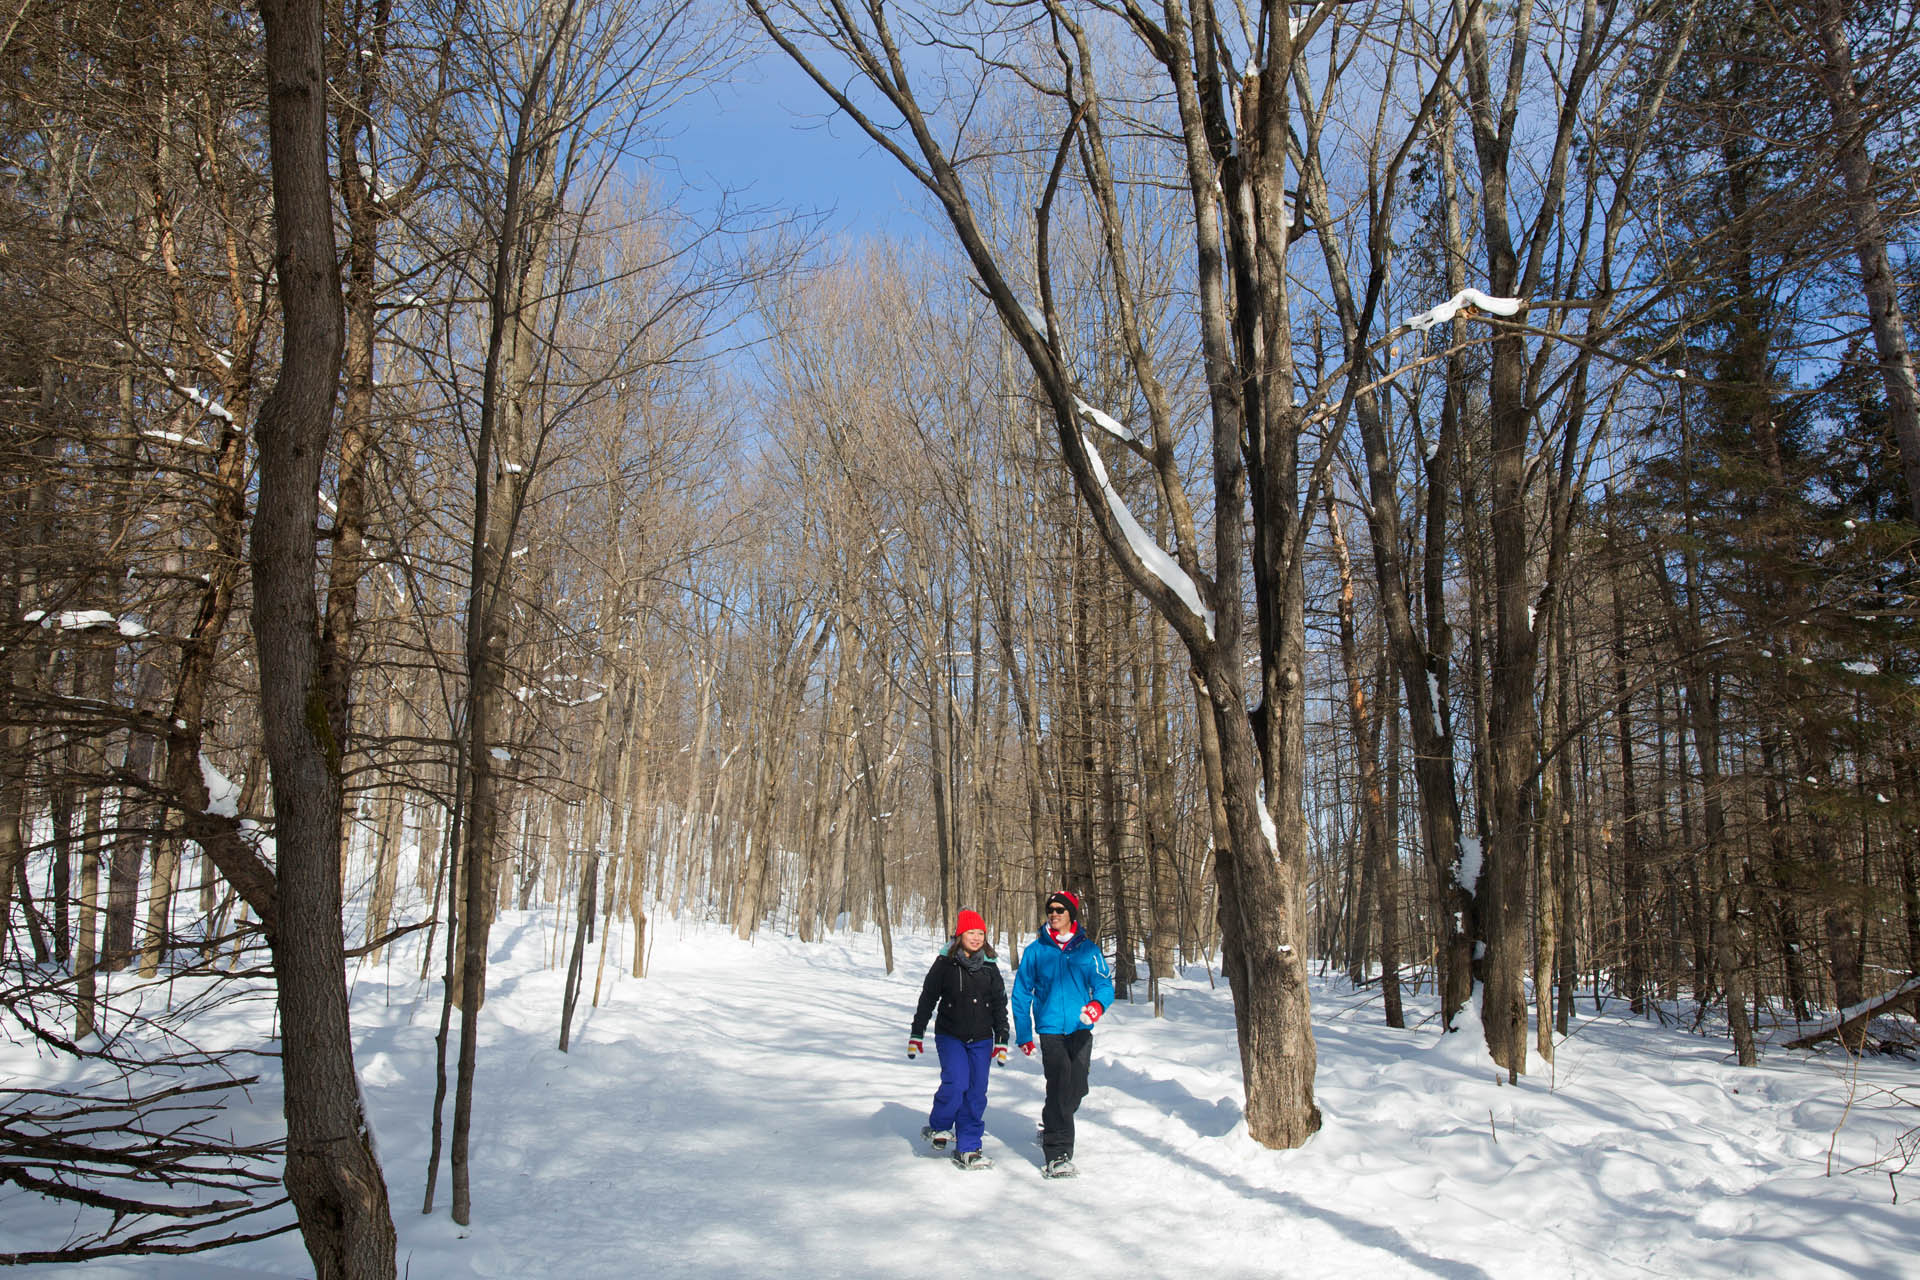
[(1422, 490)]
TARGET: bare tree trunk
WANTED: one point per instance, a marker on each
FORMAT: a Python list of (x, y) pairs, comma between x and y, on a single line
[(504, 460), (576, 957), (1870, 236), (166, 862), (389, 830), (1634, 937), (1721, 956), (13, 778), (359, 70), (1363, 726), (60, 823), (1846, 940), (1512, 743), (1157, 822), (877, 852), (1566, 956), (1420, 660), (634, 811), (14, 753), (1387, 885), (1515, 267), (93, 680), (939, 763), (1909, 862), (86, 946), (690, 810), (787, 689), (128, 852), (1116, 837), (835, 739), (332, 1174)]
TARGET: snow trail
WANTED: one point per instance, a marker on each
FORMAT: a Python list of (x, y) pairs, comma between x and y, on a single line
[(748, 1110)]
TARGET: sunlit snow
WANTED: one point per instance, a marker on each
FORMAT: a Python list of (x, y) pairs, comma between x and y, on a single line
[(747, 1110)]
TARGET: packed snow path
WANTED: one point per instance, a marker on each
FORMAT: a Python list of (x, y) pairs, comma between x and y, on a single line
[(748, 1110)]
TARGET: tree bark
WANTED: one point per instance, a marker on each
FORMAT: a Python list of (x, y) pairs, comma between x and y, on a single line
[(332, 1174), (1158, 821), (1363, 725), (1515, 265), (389, 827), (1635, 939), (13, 767), (1721, 956), (504, 461), (1870, 235)]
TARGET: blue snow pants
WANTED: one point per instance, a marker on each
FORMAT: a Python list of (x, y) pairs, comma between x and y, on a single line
[(960, 1104)]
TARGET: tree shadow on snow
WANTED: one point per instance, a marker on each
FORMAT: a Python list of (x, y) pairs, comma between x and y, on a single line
[(1207, 1119), (1372, 1235)]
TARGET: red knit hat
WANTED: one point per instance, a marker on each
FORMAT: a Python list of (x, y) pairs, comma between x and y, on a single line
[(969, 919), (1066, 899)]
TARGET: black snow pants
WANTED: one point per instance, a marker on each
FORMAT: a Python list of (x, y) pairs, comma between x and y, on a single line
[(1065, 1060)]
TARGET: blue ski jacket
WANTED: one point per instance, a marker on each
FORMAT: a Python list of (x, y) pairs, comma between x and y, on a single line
[(1054, 983)]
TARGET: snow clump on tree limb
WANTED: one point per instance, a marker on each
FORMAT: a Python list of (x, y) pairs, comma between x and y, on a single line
[(1151, 554), (1465, 298)]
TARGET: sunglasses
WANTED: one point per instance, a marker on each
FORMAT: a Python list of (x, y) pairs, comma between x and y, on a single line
[(1056, 911)]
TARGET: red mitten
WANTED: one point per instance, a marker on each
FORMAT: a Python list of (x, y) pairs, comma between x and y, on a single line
[(1091, 1014), (914, 1048), (1000, 1054), (1026, 1047)]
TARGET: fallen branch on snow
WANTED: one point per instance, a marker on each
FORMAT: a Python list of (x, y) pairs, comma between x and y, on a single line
[(1851, 1019)]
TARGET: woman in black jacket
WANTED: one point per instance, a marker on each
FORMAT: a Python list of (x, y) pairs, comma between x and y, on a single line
[(970, 1035)]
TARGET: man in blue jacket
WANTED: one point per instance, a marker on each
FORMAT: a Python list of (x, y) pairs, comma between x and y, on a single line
[(1062, 988)]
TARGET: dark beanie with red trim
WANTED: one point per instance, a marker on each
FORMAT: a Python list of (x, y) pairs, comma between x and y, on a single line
[(1065, 898)]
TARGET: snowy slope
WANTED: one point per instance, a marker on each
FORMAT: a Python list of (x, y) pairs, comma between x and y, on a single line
[(748, 1110)]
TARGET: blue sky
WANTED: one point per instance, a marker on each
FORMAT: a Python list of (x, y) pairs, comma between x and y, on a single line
[(766, 131)]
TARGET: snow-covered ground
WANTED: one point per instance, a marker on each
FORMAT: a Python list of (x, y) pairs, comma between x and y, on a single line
[(748, 1110)]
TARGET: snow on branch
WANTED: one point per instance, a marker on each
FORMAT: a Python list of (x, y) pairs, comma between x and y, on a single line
[(1106, 422), (1157, 561), (1465, 298), (223, 794), (208, 405), (178, 440), (87, 620)]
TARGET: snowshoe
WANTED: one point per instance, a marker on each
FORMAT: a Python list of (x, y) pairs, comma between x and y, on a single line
[(973, 1160), (1060, 1167), (939, 1138)]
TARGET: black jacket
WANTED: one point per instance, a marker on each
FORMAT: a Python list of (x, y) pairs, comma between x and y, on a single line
[(973, 1003)]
